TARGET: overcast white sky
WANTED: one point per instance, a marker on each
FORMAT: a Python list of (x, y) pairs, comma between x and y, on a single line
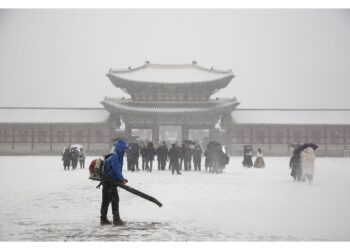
[(281, 58)]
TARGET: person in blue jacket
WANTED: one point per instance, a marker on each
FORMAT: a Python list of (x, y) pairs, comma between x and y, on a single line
[(113, 173)]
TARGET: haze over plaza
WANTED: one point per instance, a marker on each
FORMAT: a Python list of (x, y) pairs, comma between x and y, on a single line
[(281, 58)]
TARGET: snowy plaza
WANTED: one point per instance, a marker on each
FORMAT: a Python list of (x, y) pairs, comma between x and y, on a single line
[(42, 202)]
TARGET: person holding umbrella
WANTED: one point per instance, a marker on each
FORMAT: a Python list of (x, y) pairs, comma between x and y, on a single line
[(307, 161)]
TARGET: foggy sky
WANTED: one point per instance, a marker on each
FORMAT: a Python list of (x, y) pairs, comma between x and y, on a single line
[(281, 58)]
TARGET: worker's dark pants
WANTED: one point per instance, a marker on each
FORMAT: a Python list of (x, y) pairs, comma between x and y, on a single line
[(110, 195)]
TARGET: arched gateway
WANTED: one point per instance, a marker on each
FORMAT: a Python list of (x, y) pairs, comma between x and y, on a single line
[(171, 95)]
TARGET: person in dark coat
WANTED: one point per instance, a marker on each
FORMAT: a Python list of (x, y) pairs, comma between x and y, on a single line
[(209, 154), (187, 155), (150, 152), (66, 158), (216, 156), (247, 156), (197, 156), (158, 156), (112, 174), (295, 164), (174, 156), (179, 149), (129, 158), (75, 157), (143, 156), (162, 154), (132, 155), (224, 159), (136, 156), (206, 161)]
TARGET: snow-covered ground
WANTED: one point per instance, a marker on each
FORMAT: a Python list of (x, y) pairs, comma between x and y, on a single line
[(41, 202)]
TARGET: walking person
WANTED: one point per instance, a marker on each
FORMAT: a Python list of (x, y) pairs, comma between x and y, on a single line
[(136, 156), (112, 174), (162, 155), (259, 161), (129, 158), (143, 155), (247, 156), (294, 163), (82, 157), (66, 158), (197, 156), (150, 152), (75, 157), (158, 152), (307, 162), (187, 155), (174, 156)]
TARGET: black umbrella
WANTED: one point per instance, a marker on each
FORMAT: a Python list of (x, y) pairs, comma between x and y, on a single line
[(211, 145), (311, 145)]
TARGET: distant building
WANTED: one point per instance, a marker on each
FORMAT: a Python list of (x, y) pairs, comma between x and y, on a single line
[(49, 130), (273, 130), (176, 97)]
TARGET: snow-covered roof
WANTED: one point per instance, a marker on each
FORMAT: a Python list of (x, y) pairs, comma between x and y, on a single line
[(170, 73), (53, 115), (130, 106), (292, 116)]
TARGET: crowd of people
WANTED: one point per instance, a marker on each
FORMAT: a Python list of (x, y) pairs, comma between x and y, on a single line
[(182, 158), (189, 154), (185, 157), (71, 156)]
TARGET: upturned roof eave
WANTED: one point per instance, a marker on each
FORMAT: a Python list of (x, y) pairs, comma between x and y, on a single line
[(119, 81), (120, 108)]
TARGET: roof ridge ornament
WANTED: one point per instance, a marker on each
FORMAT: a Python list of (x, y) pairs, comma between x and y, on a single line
[(147, 64)]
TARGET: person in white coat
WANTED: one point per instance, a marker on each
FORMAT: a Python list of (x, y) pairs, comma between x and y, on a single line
[(307, 160)]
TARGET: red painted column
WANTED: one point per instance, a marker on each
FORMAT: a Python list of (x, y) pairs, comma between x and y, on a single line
[(32, 138), (88, 138), (270, 138), (13, 137), (51, 131)]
